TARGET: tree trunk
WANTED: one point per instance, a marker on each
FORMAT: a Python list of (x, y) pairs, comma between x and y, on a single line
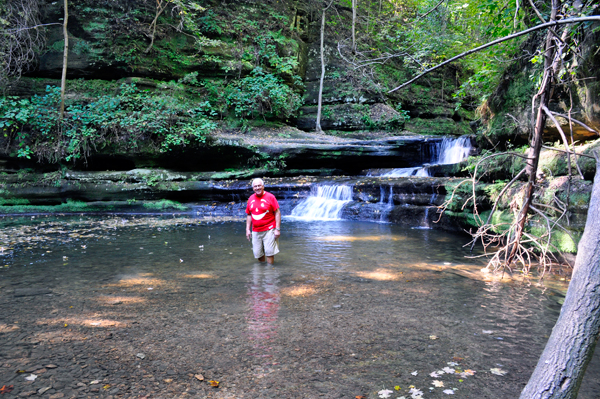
[(63, 81), (320, 103), (562, 365), (533, 154), (354, 26)]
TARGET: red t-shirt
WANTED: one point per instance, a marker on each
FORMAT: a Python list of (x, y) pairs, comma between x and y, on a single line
[(262, 209)]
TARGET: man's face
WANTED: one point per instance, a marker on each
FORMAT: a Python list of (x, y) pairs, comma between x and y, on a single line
[(258, 188)]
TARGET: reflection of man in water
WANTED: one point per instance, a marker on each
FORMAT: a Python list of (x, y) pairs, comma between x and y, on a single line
[(263, 222), (263, 300)]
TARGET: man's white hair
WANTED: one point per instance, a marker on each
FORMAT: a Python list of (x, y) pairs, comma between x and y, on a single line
[(258, 180)]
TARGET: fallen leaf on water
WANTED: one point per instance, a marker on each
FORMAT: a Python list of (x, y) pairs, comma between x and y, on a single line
[(385, 393), (415, 373), (95, 382), (448, 391), (437, 383), (434, 374), (448, 370), (106, 386), (214, 383), (498, 371), (31, 377), (452, 364), (433, 337), (397, 387), (168, 380), (199, 377), (6, 389), (467, 373), (360, 397)]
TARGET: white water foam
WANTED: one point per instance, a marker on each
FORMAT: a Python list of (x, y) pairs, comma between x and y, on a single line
[(453, 151), (407, 172), (324, 203), (448, 151), (386, 205)]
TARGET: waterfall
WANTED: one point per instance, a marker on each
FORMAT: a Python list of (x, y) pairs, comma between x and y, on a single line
[(453, 151), (448, 151), (324, 203), (406, 172), (386, 205), (425, 223)]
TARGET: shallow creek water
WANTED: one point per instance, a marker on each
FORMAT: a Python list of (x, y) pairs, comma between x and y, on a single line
[(158, 307)]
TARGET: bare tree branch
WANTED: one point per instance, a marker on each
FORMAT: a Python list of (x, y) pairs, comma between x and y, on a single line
[(586, 127), (16, 30), (430, 11), (574, 153)]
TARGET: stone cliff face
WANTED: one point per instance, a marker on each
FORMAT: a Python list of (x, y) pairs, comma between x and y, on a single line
[(109, 40)]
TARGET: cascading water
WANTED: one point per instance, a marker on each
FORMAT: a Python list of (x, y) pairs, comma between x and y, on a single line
[(324, 203), (453, 151), (406, 172), (387, 204), (448, 151)]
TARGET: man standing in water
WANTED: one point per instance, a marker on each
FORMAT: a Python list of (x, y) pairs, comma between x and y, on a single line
[(263, 223)]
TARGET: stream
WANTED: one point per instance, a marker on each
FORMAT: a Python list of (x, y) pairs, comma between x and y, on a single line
[(160, 306)]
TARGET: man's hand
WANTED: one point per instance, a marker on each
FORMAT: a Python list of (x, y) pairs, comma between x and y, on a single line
[(277, 233), (248, 235)]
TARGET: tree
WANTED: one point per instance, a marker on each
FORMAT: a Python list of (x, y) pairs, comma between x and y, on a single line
[(509, 243), (322, 48), (562, 365), (354, 26), (63, 81)]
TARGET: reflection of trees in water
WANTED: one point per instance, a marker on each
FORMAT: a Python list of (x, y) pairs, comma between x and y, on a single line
[(263, 307)]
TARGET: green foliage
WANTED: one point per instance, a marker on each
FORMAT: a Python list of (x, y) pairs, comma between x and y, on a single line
[(262, 94), (35, 128), (268, 53), (506, 164), (265, 161), (165, 205)]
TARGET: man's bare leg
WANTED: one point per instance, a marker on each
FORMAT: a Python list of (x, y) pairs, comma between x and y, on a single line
[(270, 260), (261, 259)]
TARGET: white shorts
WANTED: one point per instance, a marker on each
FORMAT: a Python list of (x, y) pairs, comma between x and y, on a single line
[(264, 243)]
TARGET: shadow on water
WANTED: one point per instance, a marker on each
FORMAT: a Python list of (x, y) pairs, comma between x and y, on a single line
[(143, 305)]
